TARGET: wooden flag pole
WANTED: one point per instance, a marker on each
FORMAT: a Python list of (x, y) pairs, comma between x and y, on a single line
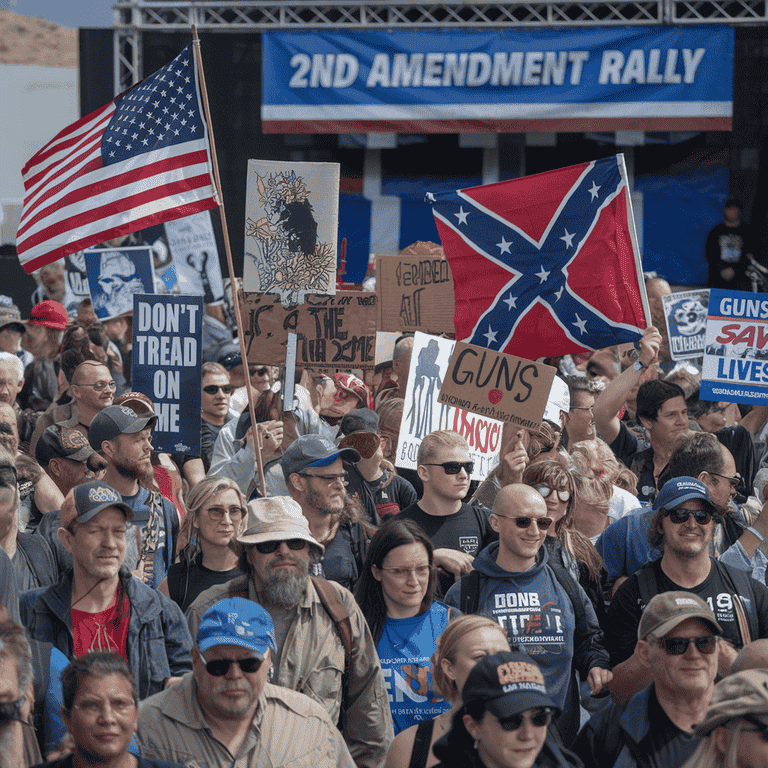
[(235, 294)]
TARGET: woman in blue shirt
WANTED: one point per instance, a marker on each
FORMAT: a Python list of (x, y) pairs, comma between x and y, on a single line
[(396, 594)]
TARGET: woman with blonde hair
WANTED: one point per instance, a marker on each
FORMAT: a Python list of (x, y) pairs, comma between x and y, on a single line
[(216, 511), (463, 642), (734, 733)]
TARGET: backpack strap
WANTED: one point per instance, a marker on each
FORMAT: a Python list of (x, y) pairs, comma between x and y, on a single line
[(469, 596), (421, 743), (740, 583), (329, 597), (646, 583)]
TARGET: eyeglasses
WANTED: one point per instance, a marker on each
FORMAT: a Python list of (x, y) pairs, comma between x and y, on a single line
[(326, 478), (220, 667), (217, 513), (525, 522), (212, 389), (679, 516), (545, 491), (100, 385), (11, 710), (541, 719), (454, 467), (268, 547), (582, 407), (95, 707), (734, 481), (421, 571), (677, 646)]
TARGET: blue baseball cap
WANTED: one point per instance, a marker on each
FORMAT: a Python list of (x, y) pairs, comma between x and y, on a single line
[(236, 621), (313, 451), (680, 489)]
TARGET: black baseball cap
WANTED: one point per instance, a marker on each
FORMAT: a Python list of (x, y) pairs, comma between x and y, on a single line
[(116, 420)]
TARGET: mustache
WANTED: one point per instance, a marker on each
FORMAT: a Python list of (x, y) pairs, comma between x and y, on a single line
[(288, 559), (232, 685)]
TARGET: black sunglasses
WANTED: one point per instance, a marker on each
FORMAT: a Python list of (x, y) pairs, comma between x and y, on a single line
[(540, 719), (220, 667), (11, 710), (677, 646), (212, 389), (268, 547), (525, 522), (454, 467), (679, 516), (734, 481), (258, 371)]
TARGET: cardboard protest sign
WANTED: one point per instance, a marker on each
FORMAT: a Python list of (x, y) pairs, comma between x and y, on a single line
[(423, 413), (685, 314), (415, 294), (332, 332), (167, 356), (494, 384), (76, 282), (192, 243), (291, 227), (736, 352), (115, 275)]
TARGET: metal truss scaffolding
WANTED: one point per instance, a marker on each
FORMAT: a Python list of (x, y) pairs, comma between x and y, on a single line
[(133, 18)]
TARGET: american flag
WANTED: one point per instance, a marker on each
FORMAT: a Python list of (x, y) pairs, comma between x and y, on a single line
[(547, 264), (140, 160)]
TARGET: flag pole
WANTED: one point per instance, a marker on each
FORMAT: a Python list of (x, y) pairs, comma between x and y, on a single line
[(235, 293)]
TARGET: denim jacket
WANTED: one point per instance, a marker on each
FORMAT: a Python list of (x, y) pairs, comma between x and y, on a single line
[(159, 644)]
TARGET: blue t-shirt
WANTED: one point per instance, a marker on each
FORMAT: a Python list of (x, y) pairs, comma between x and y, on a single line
[(405, 648)]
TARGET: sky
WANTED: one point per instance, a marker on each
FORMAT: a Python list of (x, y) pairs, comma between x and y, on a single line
[(66, 13)]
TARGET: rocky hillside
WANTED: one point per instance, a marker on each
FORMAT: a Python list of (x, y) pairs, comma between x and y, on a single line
[(27, 40)]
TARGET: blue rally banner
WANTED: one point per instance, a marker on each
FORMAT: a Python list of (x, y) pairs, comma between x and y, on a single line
[(167, 356), (736, 348), (643, 78)]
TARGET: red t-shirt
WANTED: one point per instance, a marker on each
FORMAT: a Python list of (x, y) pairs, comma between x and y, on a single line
[(101, 631)]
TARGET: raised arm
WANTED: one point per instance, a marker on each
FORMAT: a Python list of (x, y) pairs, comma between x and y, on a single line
[(613, 397)]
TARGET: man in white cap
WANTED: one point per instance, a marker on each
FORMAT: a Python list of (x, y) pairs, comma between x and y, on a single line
[(225, 713), (323, 646)]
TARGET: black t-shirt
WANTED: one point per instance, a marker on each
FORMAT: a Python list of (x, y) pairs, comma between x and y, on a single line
[(669, 744), (394, 498), (728, 247), (186, 582), (627, 606), (344, 556), (467, 530), (625, 447)]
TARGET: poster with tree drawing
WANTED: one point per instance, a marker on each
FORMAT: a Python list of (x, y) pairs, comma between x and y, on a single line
[(291, 225)]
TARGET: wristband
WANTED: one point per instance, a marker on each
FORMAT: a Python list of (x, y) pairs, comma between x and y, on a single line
[(759, 536)]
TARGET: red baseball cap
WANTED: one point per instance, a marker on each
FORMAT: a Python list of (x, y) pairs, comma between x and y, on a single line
[(49, 313)]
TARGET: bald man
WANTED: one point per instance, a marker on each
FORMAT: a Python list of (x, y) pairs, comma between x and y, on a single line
[(537, 602)]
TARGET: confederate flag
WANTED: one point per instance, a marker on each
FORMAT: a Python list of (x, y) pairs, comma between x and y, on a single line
[(546, 264)]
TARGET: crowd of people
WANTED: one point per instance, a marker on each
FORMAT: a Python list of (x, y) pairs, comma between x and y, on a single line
[(599, 599)]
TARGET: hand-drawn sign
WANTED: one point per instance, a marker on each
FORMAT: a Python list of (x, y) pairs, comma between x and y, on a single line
[(423, 413), (332, 332), (685, 314), (494, 384), (415, 294), (115, 275)]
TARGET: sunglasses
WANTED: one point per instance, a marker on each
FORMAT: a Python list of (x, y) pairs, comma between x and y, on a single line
[(268, 547), (545, 491), (680, 515), (540, 719), (525, 522), (258, 371), (212, 389), (734, 481), (454, 467), (220, 667), (677, 646), (11, 710)]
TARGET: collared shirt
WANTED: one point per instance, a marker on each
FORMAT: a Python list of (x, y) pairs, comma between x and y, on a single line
[(288, 729)]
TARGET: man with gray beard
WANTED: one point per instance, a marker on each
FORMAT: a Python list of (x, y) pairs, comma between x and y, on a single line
[(323, 646)]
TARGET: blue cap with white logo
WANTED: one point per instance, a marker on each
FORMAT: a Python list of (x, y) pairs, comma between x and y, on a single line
[(236, 621), (681, 489)]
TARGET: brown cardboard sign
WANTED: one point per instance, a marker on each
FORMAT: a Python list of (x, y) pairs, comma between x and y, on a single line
[(333, 332), (496, 385), (415, 294)]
